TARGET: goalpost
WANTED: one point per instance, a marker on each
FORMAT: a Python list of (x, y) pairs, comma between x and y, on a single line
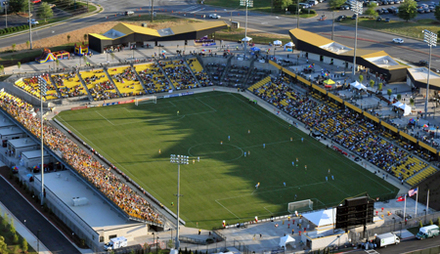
[(145, 99), (300, 206)]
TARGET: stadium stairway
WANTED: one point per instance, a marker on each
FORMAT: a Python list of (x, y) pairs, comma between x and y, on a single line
[(228, 65), (421, 175), (251, 66), (190, 70), (200, 59), (84, 85), (138, 77), (113, 82), (166, 76), (56, 87)]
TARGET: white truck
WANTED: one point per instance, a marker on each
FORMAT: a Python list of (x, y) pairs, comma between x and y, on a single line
[(427, 232), (116, 243), (386, 239)]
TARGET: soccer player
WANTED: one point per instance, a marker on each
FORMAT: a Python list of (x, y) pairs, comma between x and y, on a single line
[(302, 140), (264, 145), (178, 112), (229, 138), (284, 183)]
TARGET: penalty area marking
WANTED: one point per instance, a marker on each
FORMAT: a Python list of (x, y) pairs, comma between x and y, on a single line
[(227, 209)]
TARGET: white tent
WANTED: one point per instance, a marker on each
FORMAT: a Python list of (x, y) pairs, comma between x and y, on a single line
[(358, 85), (278, 43), (247, 39), (322, 219), (406, 109), (285, 240), (289, 45)]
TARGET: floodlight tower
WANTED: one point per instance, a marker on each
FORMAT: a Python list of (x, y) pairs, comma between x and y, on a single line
[(178, 159), (247, 3), (43, 90), (356, 7), (431, 39)]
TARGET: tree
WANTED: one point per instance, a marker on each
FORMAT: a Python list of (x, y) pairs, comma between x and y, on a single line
[(281, 4), (399, 96), (371, 83), (361, 78), (371, 11), (437, 12), (2, 69), (44, 11), (26, 7), (411, 101), (335, 4), (17, 5), (3, 245), (68, 37), (28, 43), (407, 10), (13, 46), (389, 92), (19, 65), (85, 37), (15, 238), (24, 245), (380, 86)]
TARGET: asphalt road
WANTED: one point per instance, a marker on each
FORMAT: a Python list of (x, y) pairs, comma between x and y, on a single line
[(406, 246), (49, 235)]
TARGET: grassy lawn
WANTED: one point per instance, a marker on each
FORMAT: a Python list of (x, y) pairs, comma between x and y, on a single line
[(260, 38), (221, 186), (411, 29)]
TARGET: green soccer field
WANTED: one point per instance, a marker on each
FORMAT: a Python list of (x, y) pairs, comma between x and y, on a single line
[(221, 186)]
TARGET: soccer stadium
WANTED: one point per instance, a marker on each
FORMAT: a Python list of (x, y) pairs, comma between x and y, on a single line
[(259, 140)]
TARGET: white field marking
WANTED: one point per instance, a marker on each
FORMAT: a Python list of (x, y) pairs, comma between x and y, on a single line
[(151, 191), (340, 158), (267, 210), (104, 118), (172, 103), (272, 143), (207, 105), (227, 209)]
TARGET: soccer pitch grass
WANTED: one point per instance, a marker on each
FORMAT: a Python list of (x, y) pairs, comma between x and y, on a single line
[(222, 185)]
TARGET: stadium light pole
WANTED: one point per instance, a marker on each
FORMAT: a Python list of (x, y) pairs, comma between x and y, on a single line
[(42, 86), (356, 7), (178, 159), (30, 24), (431, 39), (5, 4), (247, 3)]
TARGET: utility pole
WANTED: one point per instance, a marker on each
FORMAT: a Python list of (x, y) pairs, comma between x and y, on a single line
[(297, 14), (152, 10), (333, 24), (30, 24)]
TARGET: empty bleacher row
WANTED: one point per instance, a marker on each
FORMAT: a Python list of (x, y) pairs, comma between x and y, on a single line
[(346, 128)]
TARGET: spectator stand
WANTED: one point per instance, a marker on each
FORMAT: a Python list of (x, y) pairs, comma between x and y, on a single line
[(235, 75), (198, 72), (153, 78), (179, 75), (31, 86), (216, 70), (256, 74), (68, 84), (98, 84), (126, 81)]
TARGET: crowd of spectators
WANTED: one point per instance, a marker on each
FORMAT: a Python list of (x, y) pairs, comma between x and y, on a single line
[(84, 163), (100, 87), (68, 85), (126, 81), (343, 126), (179, 74), (216, 70), (153, 78)]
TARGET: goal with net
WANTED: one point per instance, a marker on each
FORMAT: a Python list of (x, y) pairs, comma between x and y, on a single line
[(300, 206), (145, 99)]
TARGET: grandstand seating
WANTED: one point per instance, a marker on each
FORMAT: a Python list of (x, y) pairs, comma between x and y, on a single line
[(216, 70), (256, 75), (179, 74), (422, 175), (69, 85), (31, 86), (259, 84), (235, 76), (126, 81), (100, 87), (153, 78), (198, 71), (408, 166)]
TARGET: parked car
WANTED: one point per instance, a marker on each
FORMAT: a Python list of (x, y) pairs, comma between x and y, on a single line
[(379, 19), (214, 16), (345, 7), (422, 63), (36, 1), (341, 18), (380, 11), (33, 22), (398, 40), (354, 16), (387, 20), (304, 6), (385, 11)]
